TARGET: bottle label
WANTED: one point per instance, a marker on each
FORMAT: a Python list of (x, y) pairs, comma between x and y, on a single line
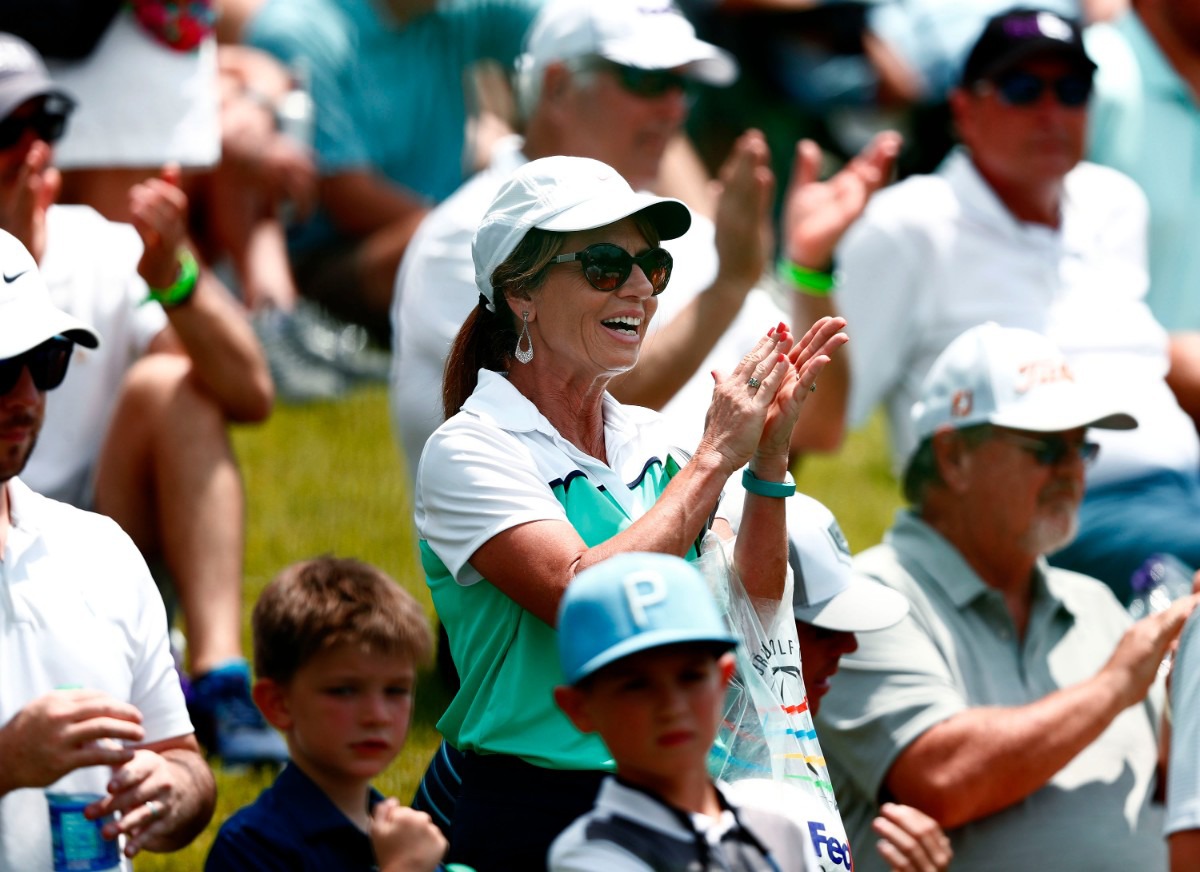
[(78, 844)]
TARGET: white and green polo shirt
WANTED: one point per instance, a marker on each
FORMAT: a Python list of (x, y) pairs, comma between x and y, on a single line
[(495, 465)]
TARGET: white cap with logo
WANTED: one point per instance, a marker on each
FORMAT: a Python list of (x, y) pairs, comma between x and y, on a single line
[(827, 592), (647, 34), (563, 194), (27, 316), (1009, 377)]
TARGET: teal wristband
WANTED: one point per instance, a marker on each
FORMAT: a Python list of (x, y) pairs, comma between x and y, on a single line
[(756, 485), (183, 288), (813, 282)]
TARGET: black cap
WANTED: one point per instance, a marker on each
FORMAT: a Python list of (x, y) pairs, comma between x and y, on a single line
[(23, 76), (1018, 33)]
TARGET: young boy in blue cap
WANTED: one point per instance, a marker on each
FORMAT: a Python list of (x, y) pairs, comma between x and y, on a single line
[(647, 660)]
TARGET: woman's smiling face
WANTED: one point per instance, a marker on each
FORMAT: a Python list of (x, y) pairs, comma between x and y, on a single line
[(578, 331)]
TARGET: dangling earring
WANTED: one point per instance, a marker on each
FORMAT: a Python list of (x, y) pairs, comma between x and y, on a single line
[(524, 355)]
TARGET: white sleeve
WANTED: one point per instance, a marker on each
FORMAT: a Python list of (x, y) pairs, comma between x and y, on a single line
[(155, 690), (473, 482), (878, 283)]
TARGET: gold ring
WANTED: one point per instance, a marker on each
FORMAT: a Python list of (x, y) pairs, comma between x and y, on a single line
[(753, 382)]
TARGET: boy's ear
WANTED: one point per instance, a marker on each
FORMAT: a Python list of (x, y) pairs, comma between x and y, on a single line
[(727, 663), (271, 698), (573, 702)]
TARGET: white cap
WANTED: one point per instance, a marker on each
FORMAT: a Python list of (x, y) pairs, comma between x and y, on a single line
[(648, 34), (27, 317), (563, 194), (1009, 377), (828, 593)]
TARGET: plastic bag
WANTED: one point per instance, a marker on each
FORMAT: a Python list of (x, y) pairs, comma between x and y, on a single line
[(767, 730)]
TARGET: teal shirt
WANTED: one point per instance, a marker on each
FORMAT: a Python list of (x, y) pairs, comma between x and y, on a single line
[(389, 96), (1145, 122)]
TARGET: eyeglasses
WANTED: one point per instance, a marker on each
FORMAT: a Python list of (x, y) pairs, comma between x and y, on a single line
[(47, 364), (648, 84), (607, 266), (48, 124), (1050, 450), (1019, 88)]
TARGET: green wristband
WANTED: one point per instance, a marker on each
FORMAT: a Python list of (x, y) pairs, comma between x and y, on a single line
[(756, 485), (814, 282), (183, 288)]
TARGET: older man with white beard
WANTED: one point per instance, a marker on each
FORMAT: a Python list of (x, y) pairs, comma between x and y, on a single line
[(1011, 704)]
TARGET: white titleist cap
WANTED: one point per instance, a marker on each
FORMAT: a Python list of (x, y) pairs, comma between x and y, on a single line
[(1009, 377), (27, 317), (648, 34), (563, 194), (828, 593)]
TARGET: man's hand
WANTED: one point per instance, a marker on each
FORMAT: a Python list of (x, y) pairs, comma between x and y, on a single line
[(1134, 665), (910, 840), (26, 192), (743, 221), (817, 213), (159, 798), (63, 731), (159, 209), (405, 840)]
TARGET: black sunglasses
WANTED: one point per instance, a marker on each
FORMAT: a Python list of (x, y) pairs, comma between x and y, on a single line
[(1051, 450), (1019, 88), (47, 364), (48, 124), (607, 266), (650, 83)]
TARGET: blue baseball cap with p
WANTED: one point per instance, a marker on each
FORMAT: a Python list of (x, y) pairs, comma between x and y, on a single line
[(633, 602)]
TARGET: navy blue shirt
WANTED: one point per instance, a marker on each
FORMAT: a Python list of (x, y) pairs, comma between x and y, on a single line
[(292, 826)]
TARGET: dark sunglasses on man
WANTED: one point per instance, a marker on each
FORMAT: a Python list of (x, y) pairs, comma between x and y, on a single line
[(1021, 88), (607, 266), (1050, 450), (48, 121), (47, 365), (648, 84)]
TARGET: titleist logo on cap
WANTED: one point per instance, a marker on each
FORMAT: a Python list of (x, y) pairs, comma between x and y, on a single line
[(1042, 372)]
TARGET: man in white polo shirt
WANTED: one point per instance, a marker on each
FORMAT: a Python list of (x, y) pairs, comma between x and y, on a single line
[(1015, 228), (1016, 704), (87, 683)]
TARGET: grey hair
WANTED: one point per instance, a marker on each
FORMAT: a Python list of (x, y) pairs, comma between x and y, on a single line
[(922, 473), (528, 79)]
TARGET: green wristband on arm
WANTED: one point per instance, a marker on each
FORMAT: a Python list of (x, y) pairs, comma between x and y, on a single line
[(802, 280), (185, 285)]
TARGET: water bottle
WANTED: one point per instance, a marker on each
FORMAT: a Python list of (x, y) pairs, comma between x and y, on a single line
[(294, 117), (76, 841), (1157, 583)]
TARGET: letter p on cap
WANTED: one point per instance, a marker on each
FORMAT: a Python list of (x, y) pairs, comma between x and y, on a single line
[(642, 590)]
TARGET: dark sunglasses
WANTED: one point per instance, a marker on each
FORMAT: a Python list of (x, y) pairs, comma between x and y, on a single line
[(607, 266), (48, 124), (1050, 450), (1019, 88), (47, 364), (650, 83)]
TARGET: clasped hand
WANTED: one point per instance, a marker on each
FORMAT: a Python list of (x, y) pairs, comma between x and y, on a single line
[(754, 409)]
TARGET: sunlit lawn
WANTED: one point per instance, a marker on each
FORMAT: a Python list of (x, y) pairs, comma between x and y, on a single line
[(327, 478)]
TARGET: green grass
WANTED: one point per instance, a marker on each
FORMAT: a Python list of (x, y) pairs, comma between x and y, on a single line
[(327, 478)]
